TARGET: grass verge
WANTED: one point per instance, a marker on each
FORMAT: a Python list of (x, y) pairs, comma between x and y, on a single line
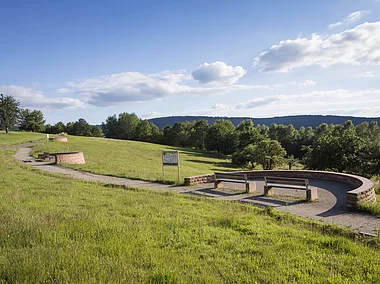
[(56, 229), (19, 137)]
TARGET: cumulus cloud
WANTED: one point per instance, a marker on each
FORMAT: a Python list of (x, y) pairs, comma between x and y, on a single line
[(30, 98), (118, 88), (357, 46), (218, 73)]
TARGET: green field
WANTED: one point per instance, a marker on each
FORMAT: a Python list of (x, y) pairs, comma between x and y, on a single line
[(15, 137), (137, 160), (374, 208), (56, 229)]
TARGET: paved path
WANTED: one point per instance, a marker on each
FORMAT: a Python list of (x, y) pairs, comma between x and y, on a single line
[(330, 208)]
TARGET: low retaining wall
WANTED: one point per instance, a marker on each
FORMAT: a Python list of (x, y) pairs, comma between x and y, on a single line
[(364, 188), (69, 158), (199, 179)]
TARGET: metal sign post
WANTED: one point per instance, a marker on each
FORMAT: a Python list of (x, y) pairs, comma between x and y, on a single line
[(170, 158)]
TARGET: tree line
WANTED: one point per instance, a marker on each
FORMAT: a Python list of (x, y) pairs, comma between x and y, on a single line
[(11, 115), (334, 147)]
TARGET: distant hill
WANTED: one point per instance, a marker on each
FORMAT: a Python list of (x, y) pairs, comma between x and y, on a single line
[(296, 120)]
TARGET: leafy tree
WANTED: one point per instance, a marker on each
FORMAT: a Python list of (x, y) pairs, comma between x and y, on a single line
[(180, 134), (32, 120), (157, 134), (247, 134), (127, 125), (246, 156), (268, 153), (336, 150), (143, 131), (82, 128), (198, 135), (111, 127), (9, 112), (220, 137), (96, 131)]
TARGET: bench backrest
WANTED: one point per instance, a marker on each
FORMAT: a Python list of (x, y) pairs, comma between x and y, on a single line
[(235, 176), (287, 181)]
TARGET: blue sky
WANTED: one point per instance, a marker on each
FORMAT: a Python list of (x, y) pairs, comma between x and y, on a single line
[(93, 59)]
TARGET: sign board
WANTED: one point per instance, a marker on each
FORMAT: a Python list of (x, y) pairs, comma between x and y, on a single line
[(170, 158)]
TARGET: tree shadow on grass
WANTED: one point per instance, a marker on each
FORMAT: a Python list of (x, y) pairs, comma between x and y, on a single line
[(216, 164)]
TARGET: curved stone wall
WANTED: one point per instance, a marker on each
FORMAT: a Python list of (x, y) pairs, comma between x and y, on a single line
[(363, 192), (69, 158)]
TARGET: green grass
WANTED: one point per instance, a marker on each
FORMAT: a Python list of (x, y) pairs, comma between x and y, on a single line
[(56, 229), (373, 208), (137, 160), (18, 137)]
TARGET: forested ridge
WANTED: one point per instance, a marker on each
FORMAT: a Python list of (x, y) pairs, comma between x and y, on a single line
[(336, 147), (296, 120)]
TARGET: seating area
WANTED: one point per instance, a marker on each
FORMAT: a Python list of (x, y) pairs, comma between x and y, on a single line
[(233, 177), (290, 183)]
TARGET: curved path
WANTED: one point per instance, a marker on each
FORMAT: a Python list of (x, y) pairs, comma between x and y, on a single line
[(331, 208)]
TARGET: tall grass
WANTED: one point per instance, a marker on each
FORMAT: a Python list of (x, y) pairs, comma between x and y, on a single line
[(56, 229)]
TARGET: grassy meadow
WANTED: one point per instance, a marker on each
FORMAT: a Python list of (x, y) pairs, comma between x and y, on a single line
[(56, 229), (19, 137), (137, 160)]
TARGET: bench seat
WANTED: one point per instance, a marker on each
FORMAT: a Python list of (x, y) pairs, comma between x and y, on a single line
[(290, 183), (222, 177)]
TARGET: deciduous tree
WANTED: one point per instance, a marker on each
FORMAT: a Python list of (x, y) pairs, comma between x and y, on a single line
[(9, 112)]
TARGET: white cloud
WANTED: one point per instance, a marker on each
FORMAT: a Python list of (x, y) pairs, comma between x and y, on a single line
[(118, 88), (351, 18), (30, 98), (334, 25), (367, 74), (303, 83), (359, 46), (219, 106), (218, 73), (317, 101), (259, 102), (152, 114)]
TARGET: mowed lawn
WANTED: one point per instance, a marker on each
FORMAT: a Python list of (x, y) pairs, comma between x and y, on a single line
[(19, 137), (137, 160), (56, 229)]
